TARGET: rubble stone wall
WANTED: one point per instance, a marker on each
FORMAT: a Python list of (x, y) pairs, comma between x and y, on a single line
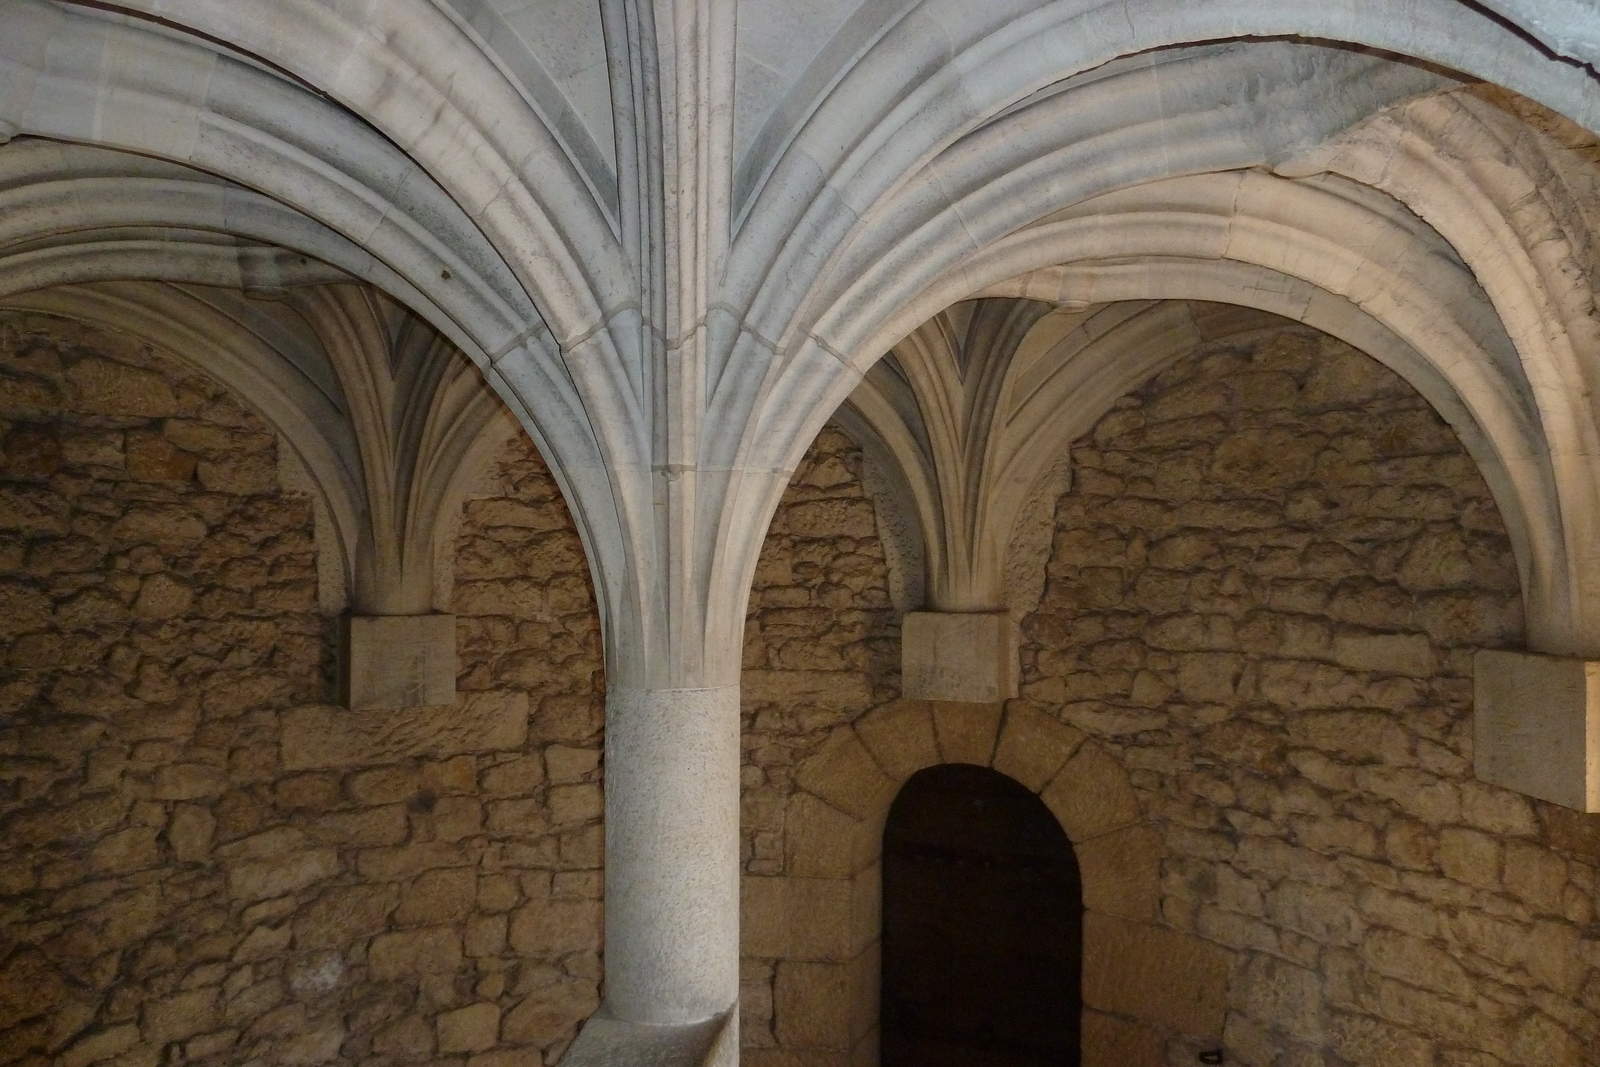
[(205, 863), (822, 641), (822, 648), (1263, 599), (210, 864), (1265, 587)]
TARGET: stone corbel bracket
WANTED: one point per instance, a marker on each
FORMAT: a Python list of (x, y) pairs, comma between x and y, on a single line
[(975, 411), (423, 425), (1536, 726), (969, 657), (382, 421)]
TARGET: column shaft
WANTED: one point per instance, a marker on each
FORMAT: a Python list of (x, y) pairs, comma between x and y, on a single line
[(672, 853)]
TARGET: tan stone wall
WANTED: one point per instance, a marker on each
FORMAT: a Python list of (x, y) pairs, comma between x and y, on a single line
[(213, 863), (206, 863), (821, 648), (1263, 597), (822, 642)]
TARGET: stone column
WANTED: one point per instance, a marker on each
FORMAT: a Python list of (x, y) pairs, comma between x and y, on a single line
[(672, 881), (672, 854)]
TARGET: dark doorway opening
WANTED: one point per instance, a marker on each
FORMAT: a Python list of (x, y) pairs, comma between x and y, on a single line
[(982, 926)]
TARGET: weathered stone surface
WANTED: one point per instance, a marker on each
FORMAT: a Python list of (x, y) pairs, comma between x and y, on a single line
[(1250, 655), (966, 658), (844, 774), (101, 1046), (180, 1016), (1033, 746), (795, 918), (281, 874), (1155, 975), (1121, 872), (438, 897), (470, 1029), (821, 839), (275, 894), (555, 927), (434, 950), (1536, 727), (397, 661), (189, 781), (1112, 1042), (1284, 680), (110, 387), (323, 736), (550, 1010), (821, 644), (1091, 795), (900, 738), (966, 732), (812, 1004)]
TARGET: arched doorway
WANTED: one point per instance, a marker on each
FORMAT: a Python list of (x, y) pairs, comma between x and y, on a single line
[(982, 926)]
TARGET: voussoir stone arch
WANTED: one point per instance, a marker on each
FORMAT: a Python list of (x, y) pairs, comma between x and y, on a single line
[(1144, 984)]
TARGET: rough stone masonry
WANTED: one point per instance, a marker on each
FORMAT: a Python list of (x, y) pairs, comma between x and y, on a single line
[(1265, 586), (1265, 590), (205, 862)]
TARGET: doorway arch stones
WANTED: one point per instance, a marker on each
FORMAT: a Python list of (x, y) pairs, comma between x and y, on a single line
[(1145, 984)]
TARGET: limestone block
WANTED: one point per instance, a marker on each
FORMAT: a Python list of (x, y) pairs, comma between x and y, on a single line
[(1536, 727), (1122, 872), (471, 1029), (438, 897), (1405, 654), (320, 736), (866, 1052), (277, 875), (844, 774), (866, 907), (868, 850), (866, 981), (1033, 746), (968, 657), (1113, 1042), (1154, 974), (813, 1005), (188, 781), (795, 918), (1292, 997), (966, 732), (900, 737), (397, 661), (101, 1046), (550, 1009), (342, 915), (1091, 796), (556, 927), (431, 950), (819, 838)]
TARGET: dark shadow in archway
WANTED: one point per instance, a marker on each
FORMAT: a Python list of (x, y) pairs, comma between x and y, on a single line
[(982, 926)]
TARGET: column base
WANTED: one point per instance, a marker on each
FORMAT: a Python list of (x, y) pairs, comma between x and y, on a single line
[(608, 1042)]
